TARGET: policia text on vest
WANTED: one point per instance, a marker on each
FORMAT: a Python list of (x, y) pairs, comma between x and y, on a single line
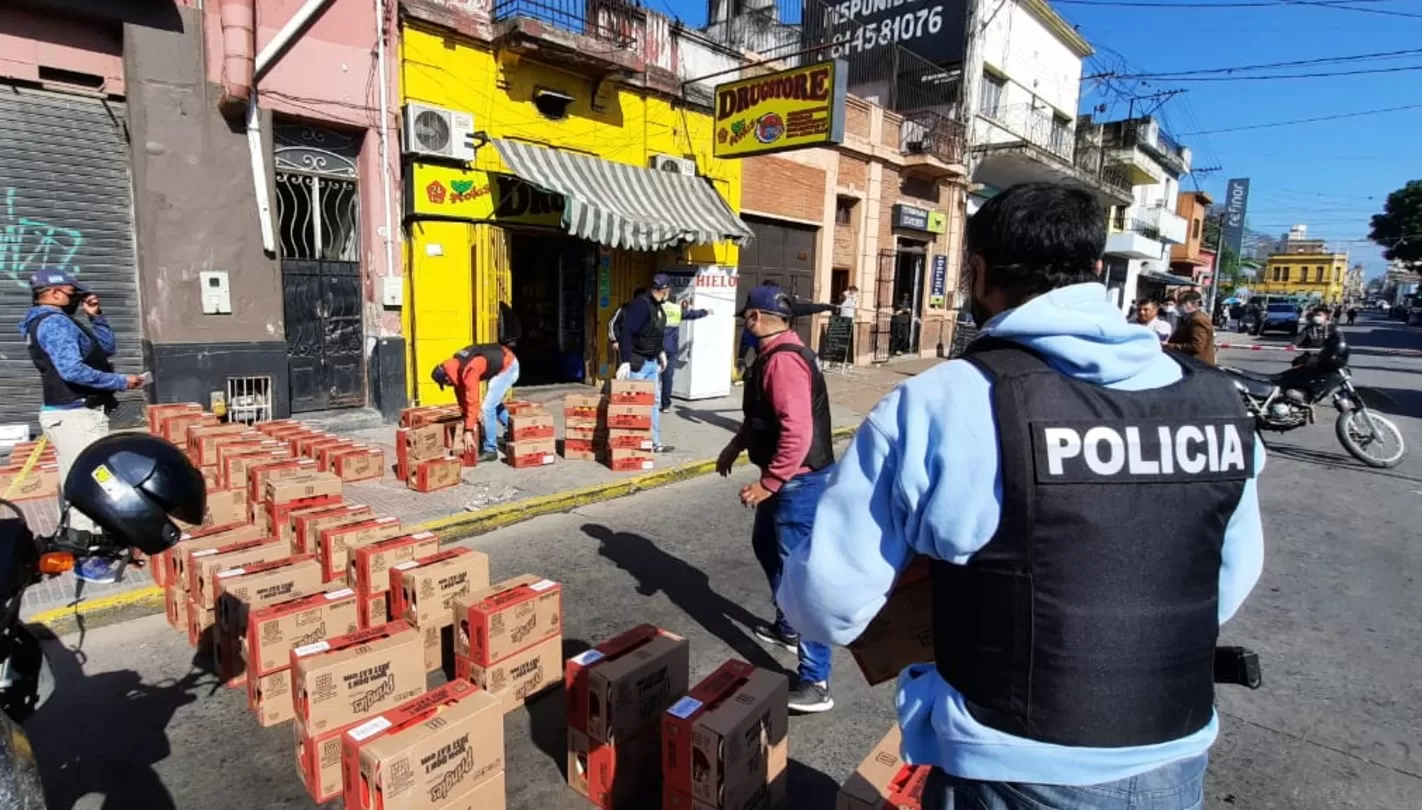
[(1142, 451)]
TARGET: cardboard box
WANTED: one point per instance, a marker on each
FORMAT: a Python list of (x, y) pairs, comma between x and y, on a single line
[(419, 443), (211, 477), (276, 425), (225, 507), (308, 523), (374, 609), (532, 453), (203, 440), (883, 781), (303, 444), (529, 426), (41, 482), (237, 459), (616, 439), (423, 590), (632, 392), (429, 475), (615, 775), (200, 621), (273, 631), (175, 604), (205, 564), (253, 587), (507, 617), (259, 474), (519, 677), (439, 646), (620, 687), (573, 454), (156, 413), (175, 426), (358, 464), (902, 633), (629, 417), (725, 742), (269, 698), (424, 754), (517, 407), (206, 539), (227, 655), (324, 450), (583, 434), (334, 543), (318, 760), (339, 680), (313, 485), (625, 460), (371, 563)]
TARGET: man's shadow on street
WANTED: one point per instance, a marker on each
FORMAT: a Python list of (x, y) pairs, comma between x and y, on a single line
[(687, 587), (104, 733)]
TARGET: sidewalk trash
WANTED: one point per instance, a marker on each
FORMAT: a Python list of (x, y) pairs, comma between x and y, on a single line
[(883, 781)]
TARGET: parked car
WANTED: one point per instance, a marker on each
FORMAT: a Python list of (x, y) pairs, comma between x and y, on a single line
[(1280, 318)]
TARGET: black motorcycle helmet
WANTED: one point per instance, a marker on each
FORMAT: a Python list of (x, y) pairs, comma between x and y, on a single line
[(1333, 355), (131, 483)]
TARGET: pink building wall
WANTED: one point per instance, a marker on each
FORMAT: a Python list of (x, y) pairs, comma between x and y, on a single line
[(29, 41)]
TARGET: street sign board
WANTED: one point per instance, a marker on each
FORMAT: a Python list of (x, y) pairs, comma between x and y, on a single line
[(791, 109)]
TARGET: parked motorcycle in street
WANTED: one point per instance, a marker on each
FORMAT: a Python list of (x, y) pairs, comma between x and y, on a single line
[(1285, 401)]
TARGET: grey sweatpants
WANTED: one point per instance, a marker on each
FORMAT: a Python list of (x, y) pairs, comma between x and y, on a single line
[(70, 431)]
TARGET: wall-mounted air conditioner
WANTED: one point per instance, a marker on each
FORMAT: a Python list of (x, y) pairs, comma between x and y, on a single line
[(438, 132), (674, 165)]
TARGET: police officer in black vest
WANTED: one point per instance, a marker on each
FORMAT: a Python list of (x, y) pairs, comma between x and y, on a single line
[(1088, 506)]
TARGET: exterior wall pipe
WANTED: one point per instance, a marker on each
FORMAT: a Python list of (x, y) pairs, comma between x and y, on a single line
[(239, 43), (289, 33), (384, 79)]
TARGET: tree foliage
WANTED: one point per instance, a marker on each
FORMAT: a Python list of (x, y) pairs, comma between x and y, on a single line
[(1399, 227)]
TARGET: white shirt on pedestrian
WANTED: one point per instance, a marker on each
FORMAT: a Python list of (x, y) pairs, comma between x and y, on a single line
[(847, 306), (1161, 328)]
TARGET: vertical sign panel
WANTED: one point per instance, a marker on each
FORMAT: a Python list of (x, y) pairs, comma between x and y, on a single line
[(1236, 201)]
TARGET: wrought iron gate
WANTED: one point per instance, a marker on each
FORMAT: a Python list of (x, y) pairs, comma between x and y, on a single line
[(884, 305), (318, 211)]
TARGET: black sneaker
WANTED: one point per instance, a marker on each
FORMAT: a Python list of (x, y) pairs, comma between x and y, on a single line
[(662, 448), (811, 698), (770, 634), (488, 456)]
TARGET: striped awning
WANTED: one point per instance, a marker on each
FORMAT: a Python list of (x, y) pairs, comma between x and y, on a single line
[(626, 206)]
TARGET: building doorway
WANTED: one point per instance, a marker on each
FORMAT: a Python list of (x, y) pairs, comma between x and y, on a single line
[(899, 300), (552, 284), (782, 253)]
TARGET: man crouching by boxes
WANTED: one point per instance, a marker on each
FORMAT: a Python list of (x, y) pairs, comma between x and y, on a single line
[(484, 362)]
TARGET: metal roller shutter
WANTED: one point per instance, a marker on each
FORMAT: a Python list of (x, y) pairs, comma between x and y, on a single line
[(65, 203)]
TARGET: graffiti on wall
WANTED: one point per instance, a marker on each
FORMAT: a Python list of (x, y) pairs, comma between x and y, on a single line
[(29, 245)]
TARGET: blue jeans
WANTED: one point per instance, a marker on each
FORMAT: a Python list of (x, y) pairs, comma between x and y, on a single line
[(649, 371), (495, 414), (782, 524), (1179, 785)]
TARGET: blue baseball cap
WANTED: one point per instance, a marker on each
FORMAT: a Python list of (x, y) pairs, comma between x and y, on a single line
[(661, 281), (768, 298), (45, 279)]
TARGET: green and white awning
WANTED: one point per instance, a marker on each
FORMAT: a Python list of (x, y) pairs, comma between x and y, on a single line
[(626, 206)]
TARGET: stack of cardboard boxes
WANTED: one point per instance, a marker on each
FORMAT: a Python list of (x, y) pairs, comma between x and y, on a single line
[(884, 781), (423, 591), (423, 460), (530, 439), (724, 745), (614, 428), (616, 693), (508, 638)]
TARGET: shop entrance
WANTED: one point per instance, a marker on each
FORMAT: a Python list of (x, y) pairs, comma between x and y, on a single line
[(552, 283)]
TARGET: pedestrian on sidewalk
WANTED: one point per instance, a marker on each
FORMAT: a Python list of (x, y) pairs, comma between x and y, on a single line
[(1148, 315), (483, 362), (614, 326), (639, 339), (1352, 315), (1075, 632), (70, 343), (786, 431), (850, 302), (675, 312), (1195, 334)]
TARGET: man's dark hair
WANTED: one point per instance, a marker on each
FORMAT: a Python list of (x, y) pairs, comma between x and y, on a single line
[(1036, 237), (639, 292), (1189, 297), (1322, 309), (1142, 302)]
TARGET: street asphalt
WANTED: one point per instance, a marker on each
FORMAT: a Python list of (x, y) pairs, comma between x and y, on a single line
[(1338, 723)]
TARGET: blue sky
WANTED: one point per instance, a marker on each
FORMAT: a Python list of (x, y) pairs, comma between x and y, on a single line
[(1329, 175)]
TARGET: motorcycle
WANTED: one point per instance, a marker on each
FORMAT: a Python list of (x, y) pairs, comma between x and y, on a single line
[(1285, 401)]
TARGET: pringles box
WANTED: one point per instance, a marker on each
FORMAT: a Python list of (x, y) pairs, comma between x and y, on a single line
[(371, 563), (883, 781), (423, 590), (519, 677), (902, 632), (498, 621), (273, 631), (339, 680)]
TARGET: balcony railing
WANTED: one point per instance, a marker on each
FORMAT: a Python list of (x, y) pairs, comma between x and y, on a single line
[(1121, 222), (928, 133), (1035, 125), (606, 20), (1144, 133)]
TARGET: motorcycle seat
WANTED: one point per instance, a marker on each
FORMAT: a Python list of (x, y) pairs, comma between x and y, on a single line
[(1255, 385)]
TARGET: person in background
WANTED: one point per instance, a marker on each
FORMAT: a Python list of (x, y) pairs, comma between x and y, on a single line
[(640, 338), (70, 343), (850, 302), (1236, 316), (1075, 632), (1195, 334), (1352, 314), (1316, 331), (614, 326), (486, 362), (675, 312), (1170, 313), (1337, 313), (1148, 315), (786, 432)]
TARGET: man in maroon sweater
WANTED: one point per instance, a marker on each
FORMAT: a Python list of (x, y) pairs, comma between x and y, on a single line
[(786, 432)]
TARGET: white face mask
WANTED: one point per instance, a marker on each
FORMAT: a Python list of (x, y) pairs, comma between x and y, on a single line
[(1317, 320)]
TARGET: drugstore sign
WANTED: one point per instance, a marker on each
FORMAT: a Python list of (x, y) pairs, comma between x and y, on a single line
[(792, 109), (479, 196)]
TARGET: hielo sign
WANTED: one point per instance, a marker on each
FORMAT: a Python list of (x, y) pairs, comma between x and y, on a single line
[(791, 109)]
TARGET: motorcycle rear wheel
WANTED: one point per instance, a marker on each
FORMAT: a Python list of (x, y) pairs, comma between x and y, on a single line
[(1356, 438)]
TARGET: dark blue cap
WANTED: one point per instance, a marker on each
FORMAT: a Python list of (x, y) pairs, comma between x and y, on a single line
[(768, 298), (661, 281), (45, 279)]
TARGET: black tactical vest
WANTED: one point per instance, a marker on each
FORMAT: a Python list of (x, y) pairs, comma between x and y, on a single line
[(765, 425), (492, 353), (647, 344), (58, 392), (1090, 617)]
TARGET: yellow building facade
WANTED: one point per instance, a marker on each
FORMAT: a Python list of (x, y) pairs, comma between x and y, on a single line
[(479, 240), (1320, 276)]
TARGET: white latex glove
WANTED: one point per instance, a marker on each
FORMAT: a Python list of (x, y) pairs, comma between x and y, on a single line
[(624, 371), (662, 362)]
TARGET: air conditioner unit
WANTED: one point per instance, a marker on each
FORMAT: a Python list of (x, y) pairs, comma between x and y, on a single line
[(437, 132), (674, 165)]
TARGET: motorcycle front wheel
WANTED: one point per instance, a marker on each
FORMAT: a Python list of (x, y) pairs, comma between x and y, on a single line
[(1370, 438)]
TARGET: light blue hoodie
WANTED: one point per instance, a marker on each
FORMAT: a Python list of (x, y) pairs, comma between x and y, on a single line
[(925, 464)]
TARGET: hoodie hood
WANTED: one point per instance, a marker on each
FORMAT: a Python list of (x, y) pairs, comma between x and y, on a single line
[(35, 312), (1083, 335)]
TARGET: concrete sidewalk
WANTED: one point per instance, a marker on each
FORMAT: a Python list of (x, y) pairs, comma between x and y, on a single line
[(493, 495)]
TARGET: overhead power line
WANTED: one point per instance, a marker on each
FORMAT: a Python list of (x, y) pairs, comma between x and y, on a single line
[(1337, 117), (1277, 76), (1297, 63)]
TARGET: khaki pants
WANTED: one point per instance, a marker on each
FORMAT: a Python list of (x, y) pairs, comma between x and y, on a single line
[(70, 431)]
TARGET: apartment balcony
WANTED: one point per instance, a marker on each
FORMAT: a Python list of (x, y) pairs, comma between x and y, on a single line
[(1148, 152), (598, 35), (1024, 143), (932, 144), (1133, 239), (1172, 227)]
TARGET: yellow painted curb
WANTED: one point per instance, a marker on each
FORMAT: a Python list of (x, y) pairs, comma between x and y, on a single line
[(452, 527)]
